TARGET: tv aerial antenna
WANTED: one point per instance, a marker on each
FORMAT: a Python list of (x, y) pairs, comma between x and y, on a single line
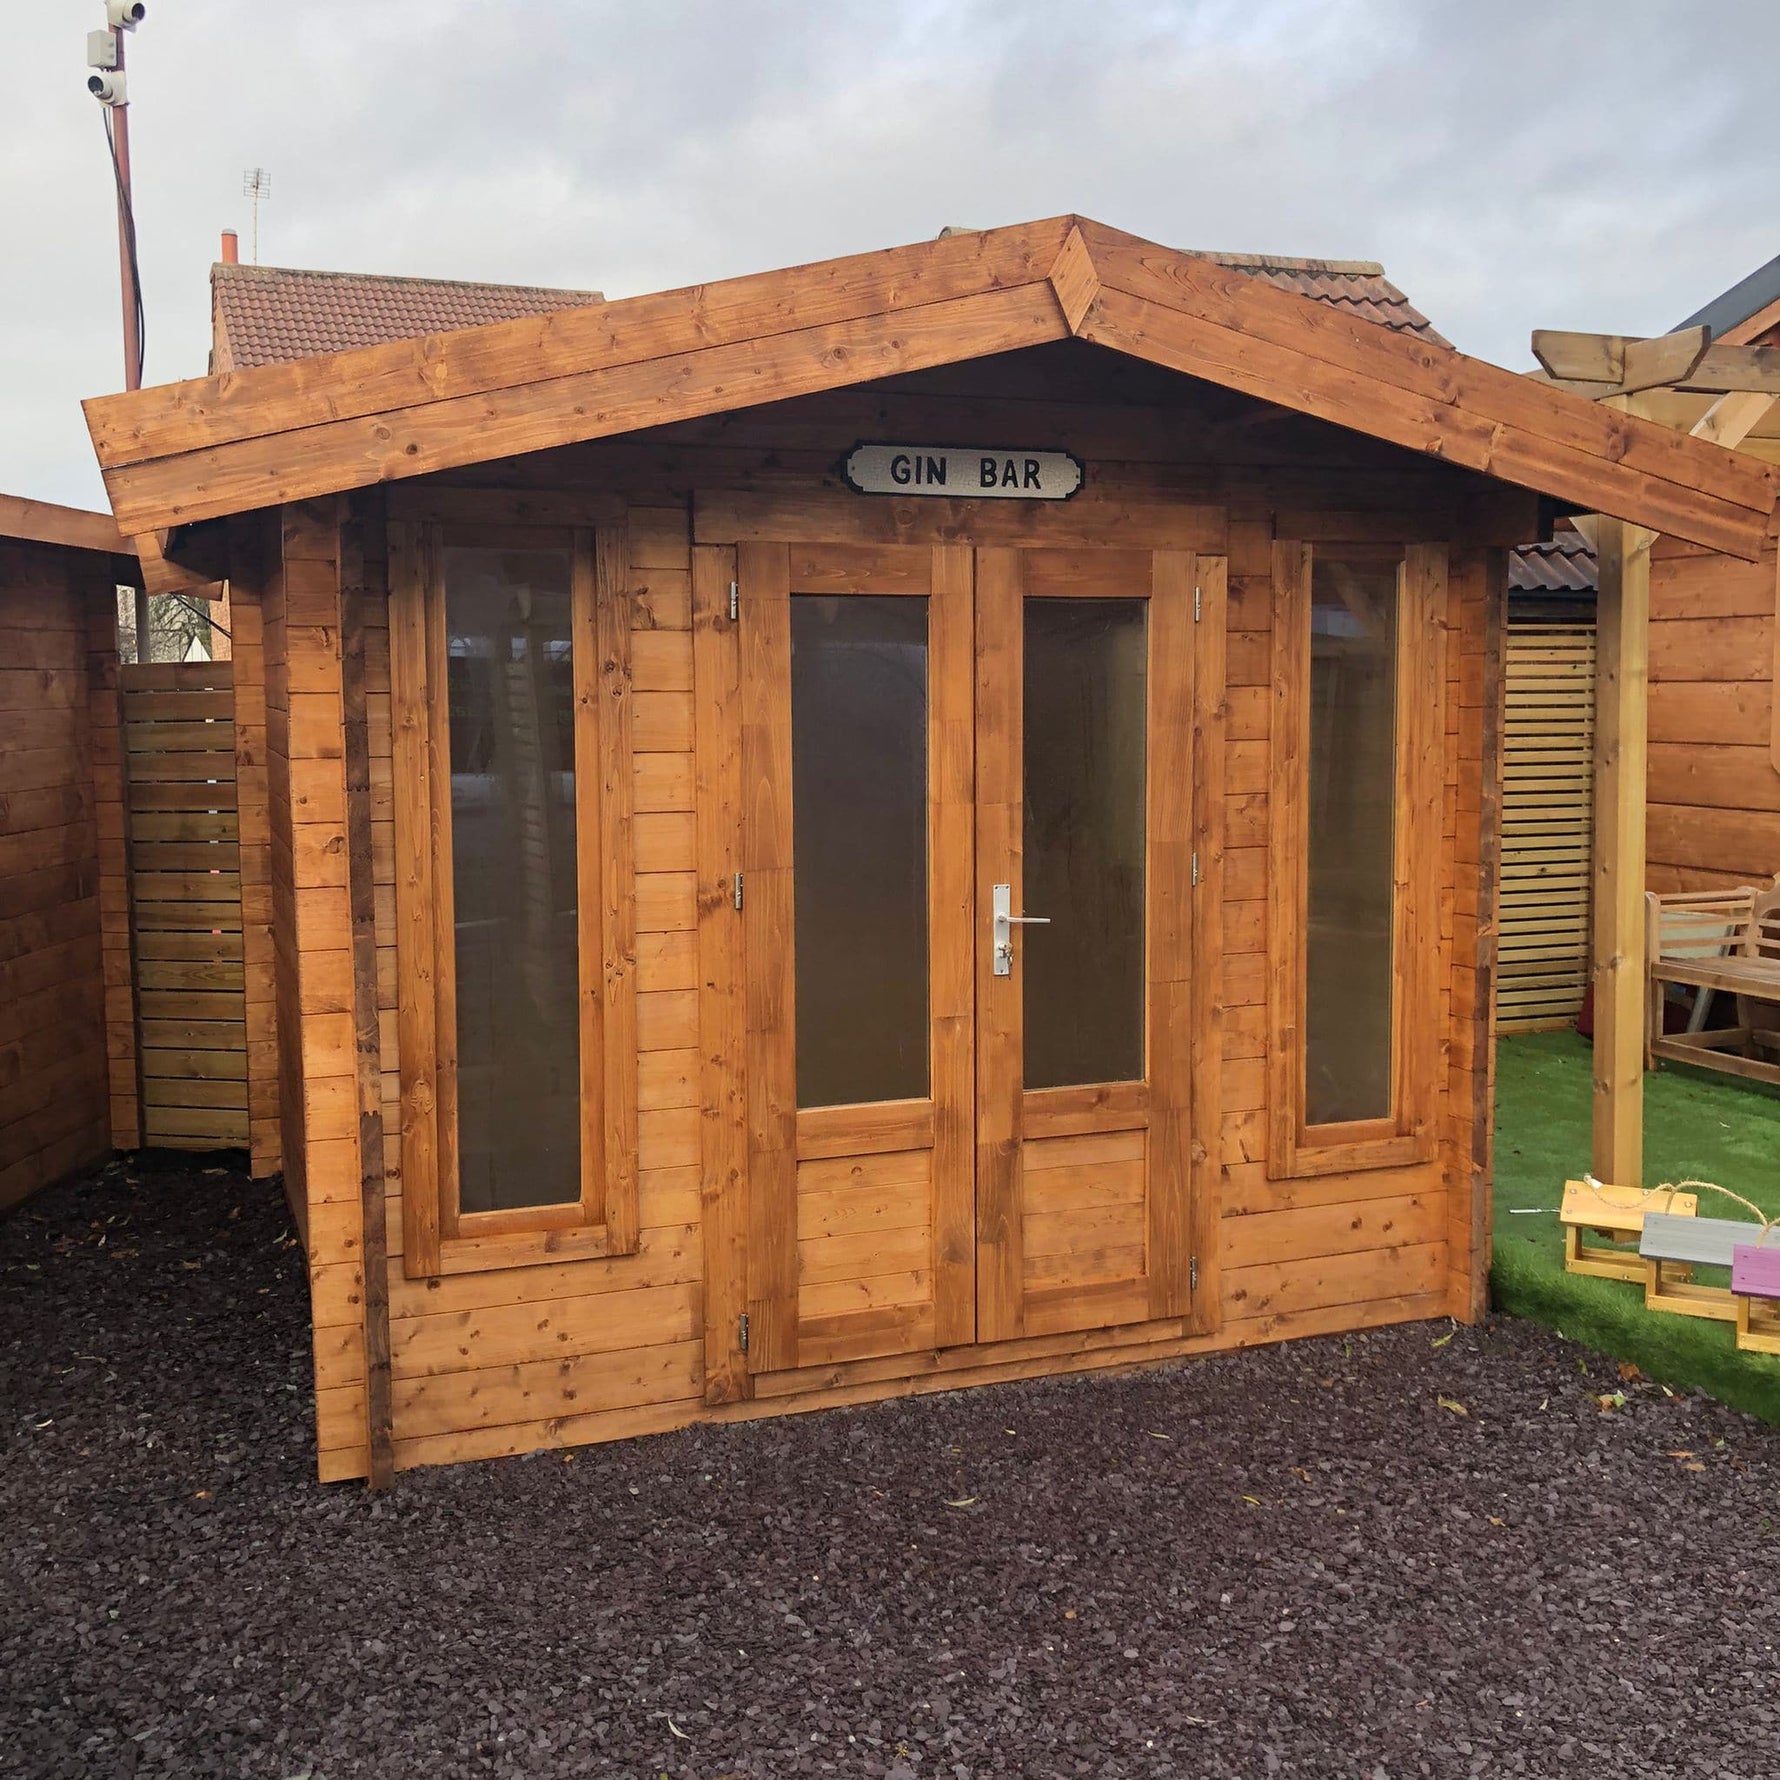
[(256, 183)]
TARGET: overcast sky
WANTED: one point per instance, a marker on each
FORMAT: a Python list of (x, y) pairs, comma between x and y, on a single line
[(1602, 164)]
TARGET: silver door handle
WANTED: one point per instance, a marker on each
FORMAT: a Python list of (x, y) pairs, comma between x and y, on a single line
[(1002, 925)]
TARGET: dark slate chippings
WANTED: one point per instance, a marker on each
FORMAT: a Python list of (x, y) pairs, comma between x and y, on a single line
[(796, 1596)]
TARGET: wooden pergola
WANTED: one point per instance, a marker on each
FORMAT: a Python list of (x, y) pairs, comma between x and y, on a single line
[(1740, 384)]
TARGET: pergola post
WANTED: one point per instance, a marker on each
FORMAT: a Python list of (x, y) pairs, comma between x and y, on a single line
[(1622, 657)]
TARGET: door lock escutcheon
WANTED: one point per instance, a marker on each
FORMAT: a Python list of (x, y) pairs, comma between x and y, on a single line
[(1003, 924)]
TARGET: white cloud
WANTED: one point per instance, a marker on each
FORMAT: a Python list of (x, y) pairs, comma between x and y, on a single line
[(1583, 163)]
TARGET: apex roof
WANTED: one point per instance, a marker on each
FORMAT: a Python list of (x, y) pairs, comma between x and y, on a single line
[(265, 315), (289, 432)]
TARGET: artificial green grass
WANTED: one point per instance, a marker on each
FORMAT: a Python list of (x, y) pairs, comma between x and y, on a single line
[(1696, 1127)]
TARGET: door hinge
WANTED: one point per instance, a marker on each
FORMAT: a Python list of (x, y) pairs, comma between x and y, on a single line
[(1195, 605), (735, 602), (738, 890), (741, 1328), (1195, 868), (1192, 1276)]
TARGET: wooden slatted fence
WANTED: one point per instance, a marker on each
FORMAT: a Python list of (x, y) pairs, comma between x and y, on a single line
[(1547, 822), (185, 903)]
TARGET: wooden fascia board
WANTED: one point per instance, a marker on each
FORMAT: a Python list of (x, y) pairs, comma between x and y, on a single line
[(43, 522), (393, 378), (1197, 317), (444, 435)]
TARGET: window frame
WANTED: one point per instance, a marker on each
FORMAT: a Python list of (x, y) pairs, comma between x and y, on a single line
[(437, 1236), (1409, 1133)]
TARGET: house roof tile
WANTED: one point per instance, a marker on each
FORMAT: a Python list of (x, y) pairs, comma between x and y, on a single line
[(263, 315)]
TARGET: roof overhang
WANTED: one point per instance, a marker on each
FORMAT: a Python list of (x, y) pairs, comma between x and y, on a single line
[(72, 528), (201, 450)]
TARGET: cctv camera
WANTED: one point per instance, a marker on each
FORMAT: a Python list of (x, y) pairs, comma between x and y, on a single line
[(124, 15), (109, 89)]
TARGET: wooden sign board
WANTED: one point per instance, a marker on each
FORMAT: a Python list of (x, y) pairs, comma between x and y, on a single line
[(964, 472)]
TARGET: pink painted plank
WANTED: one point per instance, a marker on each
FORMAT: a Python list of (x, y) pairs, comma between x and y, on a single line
[(1755, 1270)]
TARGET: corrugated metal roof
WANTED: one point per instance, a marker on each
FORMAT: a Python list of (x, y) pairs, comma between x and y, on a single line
[(1564, 566), (263, 315), (1747, 297)]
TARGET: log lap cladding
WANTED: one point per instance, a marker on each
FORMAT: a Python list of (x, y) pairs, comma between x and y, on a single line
[(656, 820), (67, 1071)]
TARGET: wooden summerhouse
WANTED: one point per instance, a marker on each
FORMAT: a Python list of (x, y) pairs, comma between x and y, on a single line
[(678, 711)]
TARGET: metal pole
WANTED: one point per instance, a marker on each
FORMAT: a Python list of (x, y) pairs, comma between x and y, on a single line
[(120, 139)]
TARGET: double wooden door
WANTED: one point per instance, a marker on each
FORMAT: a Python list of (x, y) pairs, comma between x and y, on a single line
[(975, 801)]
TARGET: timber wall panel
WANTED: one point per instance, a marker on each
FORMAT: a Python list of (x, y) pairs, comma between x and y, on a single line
[(513, 1359), (1547, 821), (185, 903), (1713, 802), (57, 680)]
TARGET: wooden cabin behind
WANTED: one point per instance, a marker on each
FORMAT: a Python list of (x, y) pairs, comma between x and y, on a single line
[(65, 1004)]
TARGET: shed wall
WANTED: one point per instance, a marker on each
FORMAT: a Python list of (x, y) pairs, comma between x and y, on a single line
[(505, 1361), (1714, 789), (61, 864)]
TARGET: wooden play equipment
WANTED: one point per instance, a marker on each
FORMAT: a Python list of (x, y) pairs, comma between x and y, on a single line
[(1712, 941), (1615, 1214), (1669, 1242), (1755, 1283)]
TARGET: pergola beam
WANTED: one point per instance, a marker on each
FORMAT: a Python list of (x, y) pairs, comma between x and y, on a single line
[(1605, 365)]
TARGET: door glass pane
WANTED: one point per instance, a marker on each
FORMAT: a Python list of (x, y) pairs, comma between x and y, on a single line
[(859, 830), (1086, 676), (1351, 838), (513, 877)]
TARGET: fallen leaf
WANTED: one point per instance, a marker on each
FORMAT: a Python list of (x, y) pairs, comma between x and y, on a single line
[(1628, 1372), (1155, 1436), (1298, 1471), (1253, 1501), (1453, 1404), (1693, 1465), (1680, 1452), (962, 1502), (1441, 1340), (1610, 1401), (1497, 1521), (678, 1732), (1069, 1613)]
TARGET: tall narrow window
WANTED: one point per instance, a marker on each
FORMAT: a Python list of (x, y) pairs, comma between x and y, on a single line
[(509, 656), (512, 723), (859, 804), (1354, 813), (1085, 702), (1350, 842)]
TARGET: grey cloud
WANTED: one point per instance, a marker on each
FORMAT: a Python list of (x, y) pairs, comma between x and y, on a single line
[(1585, 163)]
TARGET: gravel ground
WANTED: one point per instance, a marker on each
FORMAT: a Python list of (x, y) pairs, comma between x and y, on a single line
[(1416, 1552)]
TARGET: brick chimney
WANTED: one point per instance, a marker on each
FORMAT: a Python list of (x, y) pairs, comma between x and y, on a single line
[(231, 248)]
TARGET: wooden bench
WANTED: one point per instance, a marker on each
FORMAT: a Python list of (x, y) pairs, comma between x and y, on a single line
[(1668, 1242), (1755, 1284), (1716, 940), (1596, 1209)]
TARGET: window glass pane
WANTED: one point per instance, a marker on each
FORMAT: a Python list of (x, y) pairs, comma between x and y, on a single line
[(513, 877), (1351, 836), (859, 817), (1086, 676)]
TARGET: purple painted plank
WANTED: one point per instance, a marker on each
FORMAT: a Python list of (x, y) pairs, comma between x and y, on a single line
[(1755, 1271)]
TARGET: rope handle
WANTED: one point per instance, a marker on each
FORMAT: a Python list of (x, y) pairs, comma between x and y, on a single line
[(1767, 1223)]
